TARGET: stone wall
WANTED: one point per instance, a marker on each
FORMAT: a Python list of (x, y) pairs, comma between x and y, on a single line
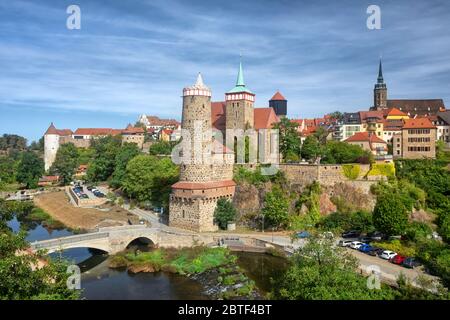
[(327, 175)]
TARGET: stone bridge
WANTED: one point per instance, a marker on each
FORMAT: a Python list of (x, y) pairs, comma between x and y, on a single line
[(116, 239)]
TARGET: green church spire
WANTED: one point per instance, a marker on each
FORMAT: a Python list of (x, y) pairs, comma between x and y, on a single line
[(240, 84)]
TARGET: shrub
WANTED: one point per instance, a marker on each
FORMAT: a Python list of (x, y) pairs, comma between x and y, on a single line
[(351, 171), (417, 230), (224, 213), (382, 169)]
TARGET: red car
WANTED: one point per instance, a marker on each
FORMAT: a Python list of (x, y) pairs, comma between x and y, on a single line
[(398, 259)]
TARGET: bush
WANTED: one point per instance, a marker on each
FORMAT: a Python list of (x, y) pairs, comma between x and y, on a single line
[(382, 169), (351, 171), (224, 213), (390, 215), (417, 230)]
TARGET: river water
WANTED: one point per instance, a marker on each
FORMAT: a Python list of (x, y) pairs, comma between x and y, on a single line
[(98, 281)]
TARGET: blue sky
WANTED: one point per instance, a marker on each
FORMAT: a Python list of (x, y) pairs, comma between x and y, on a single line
[(133, 57)]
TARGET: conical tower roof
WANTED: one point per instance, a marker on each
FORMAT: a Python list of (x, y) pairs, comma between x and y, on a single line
[(51, 130), (240, 84)]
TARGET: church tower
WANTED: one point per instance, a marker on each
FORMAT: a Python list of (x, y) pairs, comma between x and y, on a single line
[(203, 179), (239, 104), (380, 91)]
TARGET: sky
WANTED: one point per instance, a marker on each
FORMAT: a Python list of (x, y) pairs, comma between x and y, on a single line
[(135, 56)]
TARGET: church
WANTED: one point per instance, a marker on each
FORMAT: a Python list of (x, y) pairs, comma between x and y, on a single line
[(194, 197)]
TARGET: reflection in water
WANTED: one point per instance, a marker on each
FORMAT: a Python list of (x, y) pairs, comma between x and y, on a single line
[(98, 281)]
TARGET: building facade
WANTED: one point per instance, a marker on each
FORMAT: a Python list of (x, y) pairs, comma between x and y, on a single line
[(417, 140)]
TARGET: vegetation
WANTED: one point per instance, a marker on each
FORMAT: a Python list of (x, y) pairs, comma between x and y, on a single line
[(30, 169), (290, 143), (103, 164), (351, 171), (12, 142), (127, 152), (224, 213), (255, 177), (382, 169), (276, 208), (20, 279), (162, 148), (8, 168), (66, 162), (149, 178), (339, 222), (309, 198), (320, 271), (343, 152), (390, 215)]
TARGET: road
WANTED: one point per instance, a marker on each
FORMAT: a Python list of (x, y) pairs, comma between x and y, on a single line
[(388, 271)]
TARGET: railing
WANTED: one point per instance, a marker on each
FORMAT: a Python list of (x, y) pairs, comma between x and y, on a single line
[(68, 240)]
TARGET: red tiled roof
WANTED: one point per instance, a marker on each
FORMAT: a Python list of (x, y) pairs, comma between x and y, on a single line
[(218, 116), (264, 118), (132, 130), (418, 123), (203, 185), (49, 179), (396, 112), (392, 125), (365, 136), (364, 115), (167, 131), (62, 132), (97, 131), (278, 96)]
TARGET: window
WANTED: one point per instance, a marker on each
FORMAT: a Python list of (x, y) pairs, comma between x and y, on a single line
[(183, 214)]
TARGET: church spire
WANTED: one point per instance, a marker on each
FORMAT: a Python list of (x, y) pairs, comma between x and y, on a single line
[(240, 78), (380, 73)]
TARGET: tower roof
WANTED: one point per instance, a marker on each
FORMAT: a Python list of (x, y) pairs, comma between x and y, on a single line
[(240, 84), (51, 129), (278, 96), (198, 89), (380, 73)]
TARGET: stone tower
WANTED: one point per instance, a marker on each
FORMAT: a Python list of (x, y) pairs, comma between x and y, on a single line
[(206, 169), (239, 105), (380, 91), (51, 146), (279, 104)]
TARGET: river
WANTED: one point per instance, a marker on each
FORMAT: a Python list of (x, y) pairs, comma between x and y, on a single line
[(98, 281)]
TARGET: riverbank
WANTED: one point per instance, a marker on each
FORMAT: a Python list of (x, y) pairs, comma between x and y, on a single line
[(214, 268), (59, 207)]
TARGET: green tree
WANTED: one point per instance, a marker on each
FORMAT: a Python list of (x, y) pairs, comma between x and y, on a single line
[(161, 147), (225, 212), (105, 151), (390, 215), (289, 139), (149, 179), (30, 169), (20, 280), (322, 271), (276, 208), (127, 152), (7, 171), (66, 162), (10, 142), (311, 149), (342, 152)]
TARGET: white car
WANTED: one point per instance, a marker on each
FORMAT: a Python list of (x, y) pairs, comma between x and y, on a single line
[(345, 243), (387, 254), (356, 244)]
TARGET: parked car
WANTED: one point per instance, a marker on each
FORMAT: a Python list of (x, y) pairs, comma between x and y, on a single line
[(302, 234), (90, 188), (387, 254), (356, 244), (375, 252), (365, 239), (410, 263), (351, 234), (344, 243), (398, 259), (365, 248), (376, 235)]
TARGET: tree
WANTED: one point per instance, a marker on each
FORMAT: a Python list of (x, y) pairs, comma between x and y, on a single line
[(311, 149), (37, 145), (20, 280), (148, 178), (276, 208), (161, 147), (390, 215), (342, 152), (336, 115), (127, 152), (7, 171), (225, 212), (66, 162), (289, 139), (12, 142), (105, 151), (30, 169), (322, 271)]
